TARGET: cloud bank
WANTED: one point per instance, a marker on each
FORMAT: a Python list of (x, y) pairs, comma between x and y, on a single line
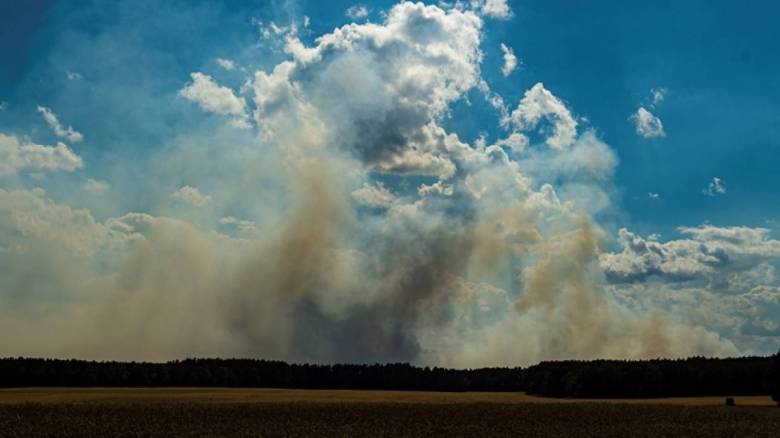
[(20, 156)]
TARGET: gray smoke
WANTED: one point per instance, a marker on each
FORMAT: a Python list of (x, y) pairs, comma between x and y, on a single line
[(476, 255)]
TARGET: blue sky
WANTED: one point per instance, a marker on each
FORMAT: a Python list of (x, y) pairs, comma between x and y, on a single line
[(716, 59), (701, 173)]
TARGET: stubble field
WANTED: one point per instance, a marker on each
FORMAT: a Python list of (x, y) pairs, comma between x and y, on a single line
[(277, 413)]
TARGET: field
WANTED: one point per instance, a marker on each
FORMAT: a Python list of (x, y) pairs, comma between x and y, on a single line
[(250, 412)]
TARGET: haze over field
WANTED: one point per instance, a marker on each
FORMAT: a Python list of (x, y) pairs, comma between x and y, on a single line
[(459, 184)]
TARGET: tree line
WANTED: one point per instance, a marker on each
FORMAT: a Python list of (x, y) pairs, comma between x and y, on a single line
[(695, 376), (776, 388), (250, 373)]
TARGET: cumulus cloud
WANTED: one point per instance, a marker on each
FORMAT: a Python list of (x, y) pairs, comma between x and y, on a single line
[(657, 95), (587, 159), (272, 30), (653, 195), (95, 186), (374, 195), (715, 187), (720, 277), (539, 104), (723, 258), (494, 99), (436, 189), (227, 64), (60, 131), (377, 90), (492, 8), (19, 156), (748, 317), (510, 60), (357, 12), (33, 226), (758, 310), (215, 98), (582, 172), (647, 125), (191, 195), (242, 226), (414, 162), (516, 142), (73, 76)]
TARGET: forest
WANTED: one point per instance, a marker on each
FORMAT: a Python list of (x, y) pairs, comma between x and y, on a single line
[(695, 376)]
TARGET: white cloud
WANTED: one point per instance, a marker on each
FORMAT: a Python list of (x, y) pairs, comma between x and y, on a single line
[(748, 318), (582, 173), (759, 310), (244, 227), (3, 105), (17, 156), (436, 189), (588, 159), (278, 30), (657, 95), (516, 142), (217, 99), (412, 162), (652, 195), (59, 130), (724, 258), (306, 21), (357, 12), (376, 90), (494, 99), (492, 8), (95, 186), (73, 76), (374, 195), (647, 125), (227, 64), (273, 31), (28, 217), (540, 104), (510, 60), (715, 187), (191, 195)]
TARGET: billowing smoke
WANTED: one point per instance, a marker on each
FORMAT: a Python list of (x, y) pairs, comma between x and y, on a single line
[(380, 236)]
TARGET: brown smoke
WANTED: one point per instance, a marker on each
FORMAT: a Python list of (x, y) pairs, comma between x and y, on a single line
[(323, 286)]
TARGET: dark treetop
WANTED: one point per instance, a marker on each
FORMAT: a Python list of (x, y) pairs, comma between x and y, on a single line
[(599, 378)]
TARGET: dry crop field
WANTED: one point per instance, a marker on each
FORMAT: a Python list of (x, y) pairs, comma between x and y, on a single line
[(246, 412)]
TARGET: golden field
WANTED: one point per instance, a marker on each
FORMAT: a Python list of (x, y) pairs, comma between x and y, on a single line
[(251, 395), (316, 413)]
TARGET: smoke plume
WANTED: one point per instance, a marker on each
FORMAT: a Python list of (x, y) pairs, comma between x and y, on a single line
[(477, 255)]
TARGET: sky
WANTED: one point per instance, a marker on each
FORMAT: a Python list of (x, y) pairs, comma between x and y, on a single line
[(465, 183)]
